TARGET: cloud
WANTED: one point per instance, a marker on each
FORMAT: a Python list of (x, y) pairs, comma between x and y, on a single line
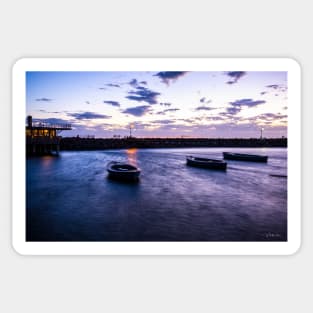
[(53, 112), (230, 113), (50, 121), (113, 103), (203, 108), (271, 116), (247, 102), (134, 83), (277, 87), (88, 116), (137, 111), (167, 110), (234, 76), (274, 86), (44, 99), (236, 106), (267, 119), (263, 93), (166, 122), (160, 113), (233, 110), (171, 110), (204, 100), (142, 125), (215, 118), (113, 85), (168, 77), (143, 94), (188, 120), (110, 85), (167, 104)]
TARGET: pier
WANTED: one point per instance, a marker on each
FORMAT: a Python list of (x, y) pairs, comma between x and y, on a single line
[(43, 138), (76, 143)]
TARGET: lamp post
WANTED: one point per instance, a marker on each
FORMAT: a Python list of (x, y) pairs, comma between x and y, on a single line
[(131, 126), (262, 133)]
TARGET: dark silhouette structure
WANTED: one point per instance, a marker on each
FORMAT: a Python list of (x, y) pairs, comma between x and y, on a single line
[(74, 143), (43, 138)]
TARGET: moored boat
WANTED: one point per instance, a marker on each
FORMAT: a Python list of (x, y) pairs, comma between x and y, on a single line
[(206, 163), (123, 171), (244, 157)]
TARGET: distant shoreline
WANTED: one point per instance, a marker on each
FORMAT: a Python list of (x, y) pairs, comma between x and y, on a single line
[(77, 143)]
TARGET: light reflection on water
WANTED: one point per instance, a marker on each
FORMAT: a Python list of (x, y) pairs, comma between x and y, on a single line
[(47, 161), (70, 198), (132, 156)]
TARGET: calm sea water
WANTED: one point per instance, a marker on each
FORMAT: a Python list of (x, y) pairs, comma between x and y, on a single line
[(70, 198)]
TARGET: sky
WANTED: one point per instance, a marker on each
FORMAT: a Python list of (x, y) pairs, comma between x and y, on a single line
[(234, 104)]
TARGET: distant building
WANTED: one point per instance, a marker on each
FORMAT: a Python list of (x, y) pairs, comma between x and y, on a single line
[(43, 138)]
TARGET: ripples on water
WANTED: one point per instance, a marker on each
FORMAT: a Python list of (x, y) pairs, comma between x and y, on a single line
[(69, 197)]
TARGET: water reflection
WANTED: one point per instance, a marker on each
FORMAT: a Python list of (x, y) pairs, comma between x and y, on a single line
[(69, 199), (47, 161), (132, 155)]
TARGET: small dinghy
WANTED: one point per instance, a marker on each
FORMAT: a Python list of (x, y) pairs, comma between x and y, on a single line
[(245, 157), (123, 171), (206, 163)]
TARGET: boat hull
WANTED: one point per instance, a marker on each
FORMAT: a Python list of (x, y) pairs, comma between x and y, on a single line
[(245, 157), (122, 171), (207, 163)]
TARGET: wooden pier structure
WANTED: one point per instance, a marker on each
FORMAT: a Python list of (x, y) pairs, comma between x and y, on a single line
[(43, 138)]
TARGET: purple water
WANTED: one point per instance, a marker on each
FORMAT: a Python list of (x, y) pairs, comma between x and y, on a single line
[(70, 198)]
